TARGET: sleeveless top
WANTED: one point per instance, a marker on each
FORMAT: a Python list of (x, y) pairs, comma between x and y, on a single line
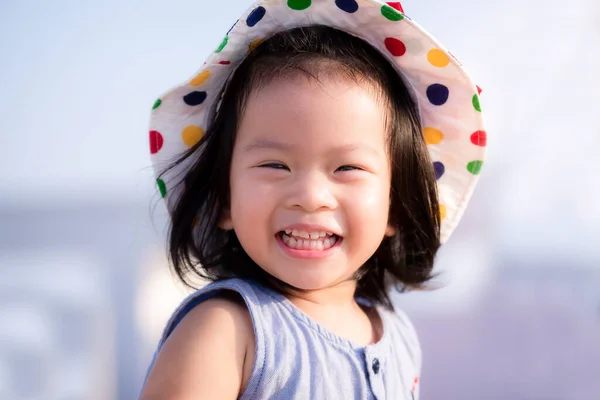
[(297, 358)]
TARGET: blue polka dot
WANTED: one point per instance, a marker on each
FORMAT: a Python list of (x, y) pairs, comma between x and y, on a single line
[(350, 6), (255, 16), (439, 169), (232, 26), (194, 98), (437, 94)]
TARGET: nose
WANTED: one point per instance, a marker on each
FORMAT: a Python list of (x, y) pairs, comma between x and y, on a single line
[(311, 192)]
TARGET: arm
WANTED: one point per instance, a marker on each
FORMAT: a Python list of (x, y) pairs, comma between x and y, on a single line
[(206, 355)]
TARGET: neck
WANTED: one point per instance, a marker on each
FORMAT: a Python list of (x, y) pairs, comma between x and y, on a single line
[(336, 308), (339, 295)]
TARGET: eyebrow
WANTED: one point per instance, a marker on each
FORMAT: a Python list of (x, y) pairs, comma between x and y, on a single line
[(273, 144), (267, 144)]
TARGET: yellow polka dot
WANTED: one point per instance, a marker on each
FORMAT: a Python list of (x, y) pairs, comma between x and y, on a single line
[(200, 78), (192, 135), (255, 43), (438, 58), (443, 212), (433, 136)]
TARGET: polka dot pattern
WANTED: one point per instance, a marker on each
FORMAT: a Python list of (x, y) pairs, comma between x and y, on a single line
[(396, 5), (194, 98), (192, 135), (162, 188), (479, 138), (391, 13), (232, 26), (395, 46), (350, 6), (255, 44), (439, 169), (299, 5), (433, 136), (476, 103), (450, 108), (438, 58), (474, 167), (255, 16), (222, 45), (200, 78), (438, 94), (443, 212), (156, 142)]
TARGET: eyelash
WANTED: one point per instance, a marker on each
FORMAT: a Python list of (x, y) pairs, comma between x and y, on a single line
[(274, 166), (343, 168), (346, 168)]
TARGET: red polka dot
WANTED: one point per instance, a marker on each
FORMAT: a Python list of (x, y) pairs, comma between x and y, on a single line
[(156, 142), (396, 5), (479, 138), (395, 46), (225, 62)]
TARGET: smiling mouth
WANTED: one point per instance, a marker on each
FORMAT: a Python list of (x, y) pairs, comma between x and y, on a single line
[(316, 241)]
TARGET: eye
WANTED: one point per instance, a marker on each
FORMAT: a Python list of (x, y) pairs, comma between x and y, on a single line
[(344, 168), (275, 165)]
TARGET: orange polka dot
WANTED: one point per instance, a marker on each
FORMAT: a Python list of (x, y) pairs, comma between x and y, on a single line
[(438, 58), (200, 78), (192, 135), (255, 43), (433, 136), (443, 212)]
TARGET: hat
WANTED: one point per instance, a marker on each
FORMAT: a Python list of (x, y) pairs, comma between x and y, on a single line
[(447, 98)]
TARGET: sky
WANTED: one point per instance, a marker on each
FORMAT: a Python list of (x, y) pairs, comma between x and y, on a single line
[(78, 79)]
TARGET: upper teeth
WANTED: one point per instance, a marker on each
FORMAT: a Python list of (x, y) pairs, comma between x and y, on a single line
[(308, 235)]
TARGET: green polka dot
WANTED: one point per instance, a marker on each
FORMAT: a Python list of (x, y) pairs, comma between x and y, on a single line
[(223, 44), (391, 13), (474, 167), (162, 187), (157, 104), (299, 4), (476, 103)]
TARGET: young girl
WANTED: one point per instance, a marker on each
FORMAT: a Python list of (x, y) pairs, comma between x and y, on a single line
[(313, 165)]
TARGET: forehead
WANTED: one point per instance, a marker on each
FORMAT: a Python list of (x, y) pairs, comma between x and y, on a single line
[(313, 114)]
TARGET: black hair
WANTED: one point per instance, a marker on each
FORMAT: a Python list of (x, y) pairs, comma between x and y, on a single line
[(199, 248)]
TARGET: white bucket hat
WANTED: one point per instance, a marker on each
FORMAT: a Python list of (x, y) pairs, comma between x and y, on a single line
[(447, 98)]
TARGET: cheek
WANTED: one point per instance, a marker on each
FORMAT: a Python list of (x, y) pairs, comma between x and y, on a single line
[(372, 197), (249, 201), (367, 209)]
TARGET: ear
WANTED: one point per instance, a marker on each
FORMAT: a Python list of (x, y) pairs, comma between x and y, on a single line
[(390, 230), (225, 221)]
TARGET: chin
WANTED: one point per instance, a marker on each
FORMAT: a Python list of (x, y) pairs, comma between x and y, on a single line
[(310, 281)]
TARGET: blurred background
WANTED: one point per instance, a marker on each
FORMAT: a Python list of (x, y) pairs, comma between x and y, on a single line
[(85, 287)]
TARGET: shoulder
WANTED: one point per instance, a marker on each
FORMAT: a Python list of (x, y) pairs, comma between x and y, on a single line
[(208, 353), (404, 334)]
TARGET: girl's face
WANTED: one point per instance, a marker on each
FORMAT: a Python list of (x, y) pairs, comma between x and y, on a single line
[(310, 180)]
